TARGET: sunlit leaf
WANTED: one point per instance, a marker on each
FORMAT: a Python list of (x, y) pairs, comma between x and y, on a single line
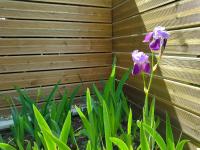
[(107, 127), (169, 134), (120, 144), (66, 128), (159, 140), (181, 144), (143, 139), (44, 127), (5, 146)]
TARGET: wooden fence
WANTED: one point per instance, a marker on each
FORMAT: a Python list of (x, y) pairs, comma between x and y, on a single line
[(44, 41), (177, 81)]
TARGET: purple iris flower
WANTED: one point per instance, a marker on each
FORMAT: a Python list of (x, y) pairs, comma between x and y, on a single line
[(141, 62), (159, 38)]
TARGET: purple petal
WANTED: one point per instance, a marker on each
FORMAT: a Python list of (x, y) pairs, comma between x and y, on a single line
[(163, 34), (148, 37), (146, 68), (134, 55), (155, 45), (137, 69)]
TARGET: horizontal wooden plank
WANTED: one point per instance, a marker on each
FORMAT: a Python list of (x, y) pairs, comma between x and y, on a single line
[(17, 46), (44, 78), (48, 62), (181, 14), (6, 96), (185, 69), (24, 28), (178, 94), (181, 42), (30, 10), (181, 119), (100, 3), (116, 2), (132, 7)]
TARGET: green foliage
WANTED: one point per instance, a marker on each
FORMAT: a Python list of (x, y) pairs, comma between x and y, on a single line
[(53, 111), (107, 123), (51, 141), (121, 145), (107, 126), (66, 128), (169, 134), (89, 124), (44, 128), (169, 144), (155, 135), (143, 139), (5, 146), (129, 136), (89, 146), (115, 100)]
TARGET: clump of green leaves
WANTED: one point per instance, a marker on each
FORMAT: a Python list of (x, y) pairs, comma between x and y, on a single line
[(107, 123), (25, 123)]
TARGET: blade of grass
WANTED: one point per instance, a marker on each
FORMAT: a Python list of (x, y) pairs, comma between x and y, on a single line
[(44, 127), (109, 85), (169, 134), (121, 145), (130, 119), (73, 94), (66, 128), (61, 107), (159, 140), (28, 147), (151, 113), (59, 143), (86, 123), (89, 146), (143, 139), (89, 105), (5, 146), (122, 82), (181, 144), (129, 122), (107, 127), (50, 97), (98, 94), (35, 147)]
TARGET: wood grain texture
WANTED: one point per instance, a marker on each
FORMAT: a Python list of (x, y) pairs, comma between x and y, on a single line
[(41, 11), (99, 3), (43, 41), (176, 82), (130, 8), (18, 46), (185, 69), (181, 14), (27, 28), (48, 62), (181, 120), (178, 94), (6, 96), (44, 78), (116, 2), (181, 42)]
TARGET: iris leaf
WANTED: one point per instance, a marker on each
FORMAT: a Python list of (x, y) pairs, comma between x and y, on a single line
[(121, 145)]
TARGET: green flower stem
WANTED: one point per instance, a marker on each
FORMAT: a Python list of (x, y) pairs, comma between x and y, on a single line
[(144, 80), (152, 72), (147, 89)]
